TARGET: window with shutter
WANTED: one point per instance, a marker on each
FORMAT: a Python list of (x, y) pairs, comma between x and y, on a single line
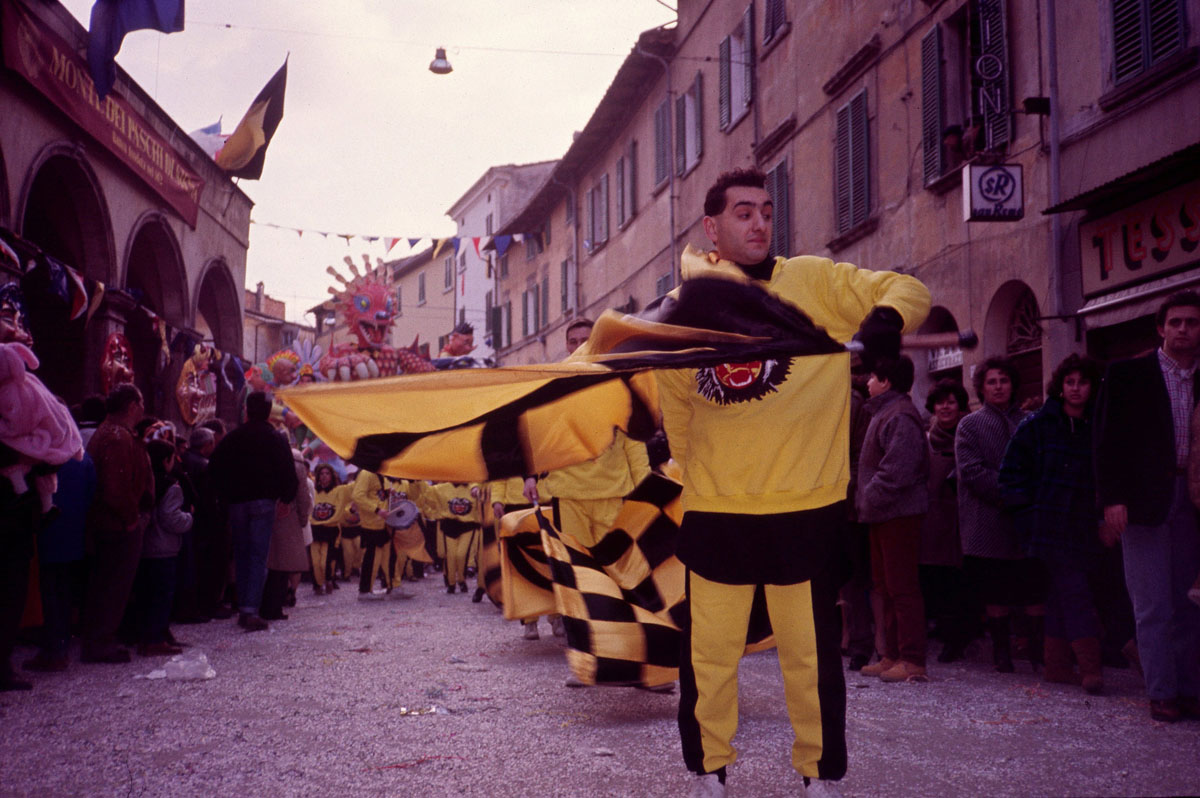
[(773, 19), (564, 273), (662, 142), (631, 180), (399, 304), (933, 121), (991, 73), (524, 314), (507, 323), (603, 231), (421, 288), (544, 316), (724, 82), (448, 273), (851, 164), (1144, 33), (487, 312), (621, 190), (781, 218), (681, 133)]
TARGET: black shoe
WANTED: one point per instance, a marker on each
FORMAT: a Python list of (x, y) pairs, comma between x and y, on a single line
[(462, 587), (857, 661), (252, 623), (450, 589), (478, 597)]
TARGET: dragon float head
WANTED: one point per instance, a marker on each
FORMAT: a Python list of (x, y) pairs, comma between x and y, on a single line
[(366, 303)]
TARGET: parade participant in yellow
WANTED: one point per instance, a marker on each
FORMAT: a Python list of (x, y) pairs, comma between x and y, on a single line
[(456, 506), (370, 495), (349, 530), (327, 513), (764, 448)]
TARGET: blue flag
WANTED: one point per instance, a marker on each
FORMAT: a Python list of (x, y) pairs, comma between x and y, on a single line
[(112, 19)]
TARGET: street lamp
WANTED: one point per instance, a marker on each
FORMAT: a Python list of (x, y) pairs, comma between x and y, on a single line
[(439, 65)]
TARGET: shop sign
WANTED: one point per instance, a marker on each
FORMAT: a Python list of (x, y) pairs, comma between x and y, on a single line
[(945, 357), (57, 71), (1151, 239), (993, 193)]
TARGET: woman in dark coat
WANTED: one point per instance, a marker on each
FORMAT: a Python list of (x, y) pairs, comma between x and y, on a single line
[(1047, 479), (948, 598)]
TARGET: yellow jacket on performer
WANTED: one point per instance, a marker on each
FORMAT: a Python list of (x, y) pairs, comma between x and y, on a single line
[(779, 448)]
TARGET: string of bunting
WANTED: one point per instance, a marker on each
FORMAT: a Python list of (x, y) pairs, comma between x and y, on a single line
[(499, 243)]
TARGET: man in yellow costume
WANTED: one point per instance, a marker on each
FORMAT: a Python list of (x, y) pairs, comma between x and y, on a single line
[(764, 448)]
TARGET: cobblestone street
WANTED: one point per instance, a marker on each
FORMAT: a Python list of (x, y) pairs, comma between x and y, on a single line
[(440, 697)]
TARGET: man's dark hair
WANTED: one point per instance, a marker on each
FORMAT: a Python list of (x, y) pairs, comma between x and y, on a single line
[(581, 321), (995, 363), (1088, 367), (90, 411), (216, 425), (714, 200), (898, 371), (201, 437), (258, 406), (120, 398), (1179, 299), (944, 388)]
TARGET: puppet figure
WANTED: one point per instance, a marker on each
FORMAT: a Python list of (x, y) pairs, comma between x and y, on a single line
[(367, 307), (116, 368), (196, 390)]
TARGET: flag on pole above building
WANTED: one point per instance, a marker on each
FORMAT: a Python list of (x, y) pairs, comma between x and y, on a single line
[(246, 149), (112, 19)]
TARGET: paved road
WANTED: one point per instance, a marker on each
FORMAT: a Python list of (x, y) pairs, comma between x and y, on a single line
[(441, 697)]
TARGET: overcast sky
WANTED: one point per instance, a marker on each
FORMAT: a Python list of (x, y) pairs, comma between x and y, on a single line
[(371, 141)]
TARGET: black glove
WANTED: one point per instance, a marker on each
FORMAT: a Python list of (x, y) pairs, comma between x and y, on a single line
[(879, 334)]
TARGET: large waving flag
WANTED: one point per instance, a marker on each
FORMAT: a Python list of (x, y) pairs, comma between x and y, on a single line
[(112, 19), (476, 425), (245, 151)]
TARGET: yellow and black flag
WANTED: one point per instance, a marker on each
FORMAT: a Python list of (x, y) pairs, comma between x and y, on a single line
[(245, 151), (476, 425)]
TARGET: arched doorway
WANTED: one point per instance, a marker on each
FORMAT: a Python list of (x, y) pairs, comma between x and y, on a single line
[(219, 319), (65, 215), (155, 278), (1014, 319)]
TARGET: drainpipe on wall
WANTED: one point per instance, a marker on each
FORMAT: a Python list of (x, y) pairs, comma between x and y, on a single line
[(1056, 229), (666, 65)]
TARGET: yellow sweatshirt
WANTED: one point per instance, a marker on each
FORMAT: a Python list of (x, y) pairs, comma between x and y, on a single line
[(612, 475), (370, 494), (773, 436), (448, 500), (347, 511), (327, 509)]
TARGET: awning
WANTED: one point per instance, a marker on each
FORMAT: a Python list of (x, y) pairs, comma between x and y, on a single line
[(1176, 168), (1135, 301)]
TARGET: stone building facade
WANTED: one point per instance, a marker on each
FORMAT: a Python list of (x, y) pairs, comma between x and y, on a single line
[(868, 141), (117, 191)]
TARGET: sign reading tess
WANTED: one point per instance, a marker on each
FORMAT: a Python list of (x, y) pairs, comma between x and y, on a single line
[(58, 72), (1151, 239)]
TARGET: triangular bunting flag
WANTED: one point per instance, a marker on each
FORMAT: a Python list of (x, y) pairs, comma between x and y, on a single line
[(475, 241), (389, 243), (502, 244), (412, 242)]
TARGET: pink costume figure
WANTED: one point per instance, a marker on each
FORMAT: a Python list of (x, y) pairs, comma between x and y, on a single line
[(36, 429)]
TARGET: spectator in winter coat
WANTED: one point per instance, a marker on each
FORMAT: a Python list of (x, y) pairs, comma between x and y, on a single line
[(1047, 479), (995, 564), (893, 470)]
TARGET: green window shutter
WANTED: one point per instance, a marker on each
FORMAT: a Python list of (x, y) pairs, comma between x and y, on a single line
[(621, 190), (603, 212), (932, 112), (631, 180), (524, 313), (507, 323), (698, 122), (565, 296), (781, 228), (662, 142), (680, 133), (545, 316), (725, 110), (841, 171), (860, 164), (1166, 28), (748, 53)]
